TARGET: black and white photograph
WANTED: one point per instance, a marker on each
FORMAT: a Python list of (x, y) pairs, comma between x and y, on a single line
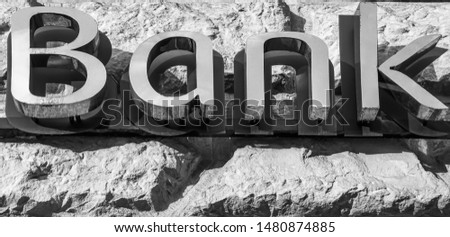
[(224, 117)]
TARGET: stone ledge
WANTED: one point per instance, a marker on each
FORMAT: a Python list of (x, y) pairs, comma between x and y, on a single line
[(132, 176)]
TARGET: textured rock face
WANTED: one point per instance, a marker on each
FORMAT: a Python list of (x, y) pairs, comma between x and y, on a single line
[(92, 176), (323, 177), (229, 26), (274, 182), (104, 176)]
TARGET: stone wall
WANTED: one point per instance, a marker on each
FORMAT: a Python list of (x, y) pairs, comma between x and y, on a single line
[(95, 175)]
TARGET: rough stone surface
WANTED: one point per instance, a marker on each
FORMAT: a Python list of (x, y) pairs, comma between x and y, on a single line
[(127, 176), (92, 176), (229, 26), (274, 182), (323, 177)]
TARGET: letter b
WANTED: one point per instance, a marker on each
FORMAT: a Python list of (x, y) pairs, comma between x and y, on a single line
[(71, 54)]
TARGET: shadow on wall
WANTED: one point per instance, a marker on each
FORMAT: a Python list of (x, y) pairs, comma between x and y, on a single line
[(217, 151), (428, 79), (34, 3)]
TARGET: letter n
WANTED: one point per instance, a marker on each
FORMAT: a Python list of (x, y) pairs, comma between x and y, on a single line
[(308, 55)]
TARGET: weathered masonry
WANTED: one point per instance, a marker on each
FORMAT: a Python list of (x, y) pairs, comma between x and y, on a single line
[(373, 100)]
